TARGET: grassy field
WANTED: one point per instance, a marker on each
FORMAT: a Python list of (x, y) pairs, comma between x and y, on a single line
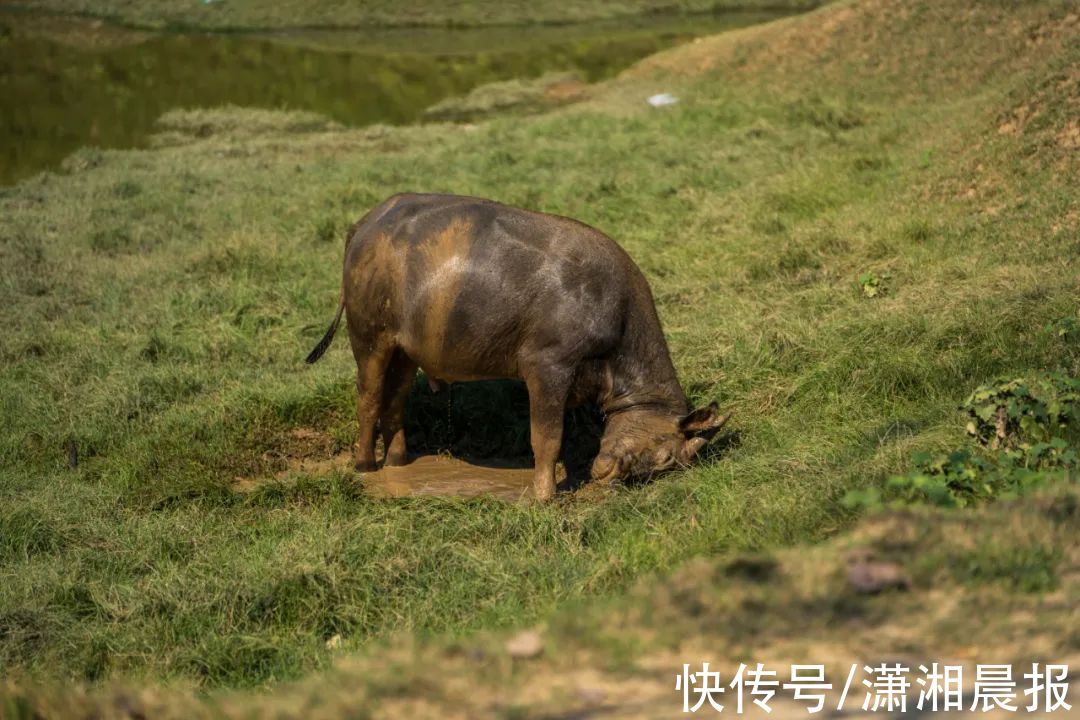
[(157, 305), (267, 14), (995, 585)]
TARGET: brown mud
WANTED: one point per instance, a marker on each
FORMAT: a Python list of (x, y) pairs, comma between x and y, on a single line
[(311, 452), (441, 475)]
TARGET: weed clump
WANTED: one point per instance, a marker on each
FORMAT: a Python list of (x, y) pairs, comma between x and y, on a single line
[(874, 284), (1025, 429), (1003, 414)]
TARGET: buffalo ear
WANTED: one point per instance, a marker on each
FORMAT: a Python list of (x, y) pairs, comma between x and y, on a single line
[(703, 421)]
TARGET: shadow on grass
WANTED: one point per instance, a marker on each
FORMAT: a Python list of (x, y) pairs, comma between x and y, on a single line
[(487, 423), (483, 424)]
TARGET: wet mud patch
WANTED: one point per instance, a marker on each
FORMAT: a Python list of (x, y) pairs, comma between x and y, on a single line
[(445, 476), (465, 440), (310, 452), (425, 475)]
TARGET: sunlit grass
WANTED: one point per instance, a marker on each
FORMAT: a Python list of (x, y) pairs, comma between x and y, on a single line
[(157, 306)]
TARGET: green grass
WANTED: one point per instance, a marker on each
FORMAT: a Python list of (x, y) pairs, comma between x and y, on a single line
[(982, 581), (263, 14), (157, 305)]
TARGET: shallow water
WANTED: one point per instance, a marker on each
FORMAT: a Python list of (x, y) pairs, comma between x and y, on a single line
[(69, 83)]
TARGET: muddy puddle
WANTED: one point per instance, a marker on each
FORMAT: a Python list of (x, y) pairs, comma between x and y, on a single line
[(441, 475), (310, 452)]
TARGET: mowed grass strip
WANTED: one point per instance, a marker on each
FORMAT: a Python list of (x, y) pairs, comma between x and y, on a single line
[(157, 306)]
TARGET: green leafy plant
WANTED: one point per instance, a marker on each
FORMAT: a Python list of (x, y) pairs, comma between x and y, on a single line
[(1020, 426), (874, 284), (961, 478), (1056, 454), (957, 478), (1036, 409), (1067, 328)]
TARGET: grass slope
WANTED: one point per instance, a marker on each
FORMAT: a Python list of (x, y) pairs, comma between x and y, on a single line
[(157, 305), (266, 14), (992, 585)]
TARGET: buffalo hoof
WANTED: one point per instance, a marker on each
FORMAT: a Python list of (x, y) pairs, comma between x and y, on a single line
[(543, 492)]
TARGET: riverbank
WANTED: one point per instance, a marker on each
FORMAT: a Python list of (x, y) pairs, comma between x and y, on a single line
[(122, 80), (251, 15)]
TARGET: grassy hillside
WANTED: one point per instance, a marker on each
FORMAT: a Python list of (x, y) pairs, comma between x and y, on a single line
[(157, 305), (988, 586), (268, 14)]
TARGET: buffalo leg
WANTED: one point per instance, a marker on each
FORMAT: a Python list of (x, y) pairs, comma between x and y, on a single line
[(547, 404), (396, 386), (370, 379)]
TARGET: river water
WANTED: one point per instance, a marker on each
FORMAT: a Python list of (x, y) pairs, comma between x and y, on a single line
[(66, 83)]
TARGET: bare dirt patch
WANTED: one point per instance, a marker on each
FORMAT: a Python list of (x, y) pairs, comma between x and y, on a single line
[(1069, 137)]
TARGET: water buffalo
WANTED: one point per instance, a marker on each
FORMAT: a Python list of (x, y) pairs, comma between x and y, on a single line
[(470, 289)]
